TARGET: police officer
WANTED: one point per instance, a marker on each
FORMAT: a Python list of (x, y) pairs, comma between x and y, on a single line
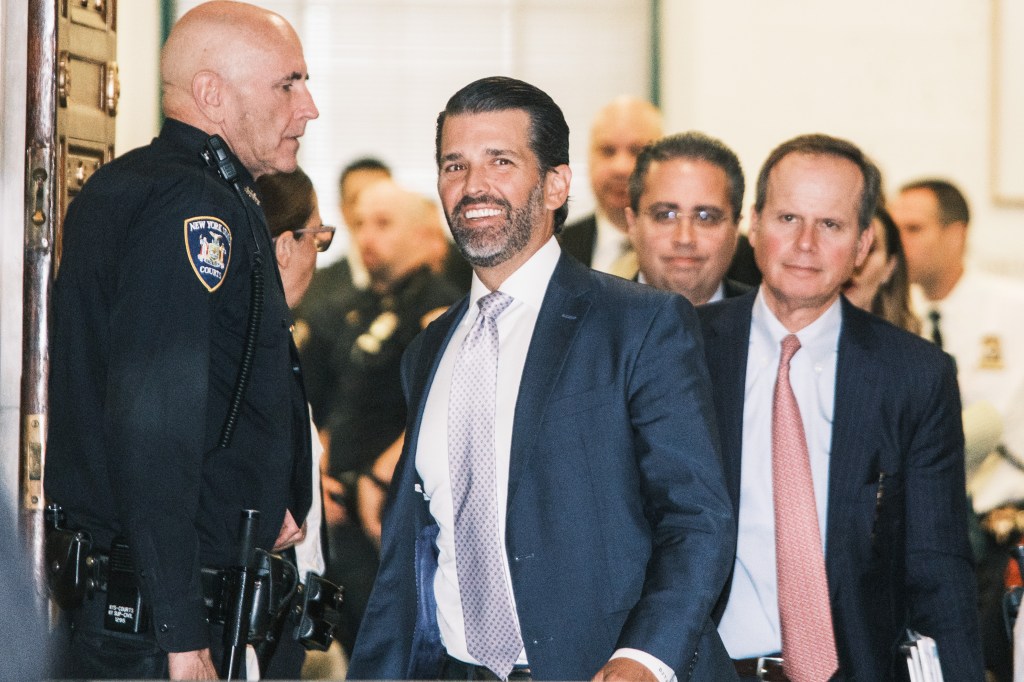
[(155, 292), (973, 316)]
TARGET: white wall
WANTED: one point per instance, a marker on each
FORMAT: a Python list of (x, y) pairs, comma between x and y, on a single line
[(908, 81), (13, 55)]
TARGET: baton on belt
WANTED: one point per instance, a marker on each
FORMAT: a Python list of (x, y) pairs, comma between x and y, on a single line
[(241, 581)]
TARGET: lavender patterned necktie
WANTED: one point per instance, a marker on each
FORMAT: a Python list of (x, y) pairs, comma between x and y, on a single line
[(492, 636)]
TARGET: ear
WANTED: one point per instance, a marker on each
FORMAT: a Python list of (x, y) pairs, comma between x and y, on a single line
[(864, 241), (753, 230), (630, 222), (208, 93), (556, 186), (890, 267), (283, 246), (961, 228)]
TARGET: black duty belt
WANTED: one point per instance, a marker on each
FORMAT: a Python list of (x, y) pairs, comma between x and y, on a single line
[(76, 571)]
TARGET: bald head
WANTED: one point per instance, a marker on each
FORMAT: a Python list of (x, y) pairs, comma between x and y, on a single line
[(237, 70), (620, 130), (396, 232)]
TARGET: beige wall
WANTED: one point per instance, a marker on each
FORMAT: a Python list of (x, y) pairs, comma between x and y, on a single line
[(908, 81), (138, 45)]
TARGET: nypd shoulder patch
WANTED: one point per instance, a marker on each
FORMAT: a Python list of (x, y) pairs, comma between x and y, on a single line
[(208, 243)]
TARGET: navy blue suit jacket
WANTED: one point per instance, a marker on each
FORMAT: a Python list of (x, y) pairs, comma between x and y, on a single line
[(619, 530), (897, 554)]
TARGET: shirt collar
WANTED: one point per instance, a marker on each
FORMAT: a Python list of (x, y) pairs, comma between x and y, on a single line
[(818, 339), (608, 234), (526, 285), (719, 293)]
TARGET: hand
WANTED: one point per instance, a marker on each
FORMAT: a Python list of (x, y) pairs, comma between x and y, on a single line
[(370, 499), (334, 511), (191, 665), (625, 670), (290, 533)]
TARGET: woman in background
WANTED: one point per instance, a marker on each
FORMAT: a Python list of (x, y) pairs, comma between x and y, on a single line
[(298, 233), (881, 284)]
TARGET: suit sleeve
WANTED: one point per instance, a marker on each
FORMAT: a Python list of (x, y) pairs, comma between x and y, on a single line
[(939, 573), (677, 451)]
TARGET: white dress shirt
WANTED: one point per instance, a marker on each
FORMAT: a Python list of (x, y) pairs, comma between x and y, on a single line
[(750, 623), (609, 244)]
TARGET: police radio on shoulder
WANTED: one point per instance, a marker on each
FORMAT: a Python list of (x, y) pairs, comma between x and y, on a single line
[(216, 155)]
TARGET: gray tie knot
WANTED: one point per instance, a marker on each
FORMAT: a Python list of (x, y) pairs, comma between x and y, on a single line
[(493, 304)]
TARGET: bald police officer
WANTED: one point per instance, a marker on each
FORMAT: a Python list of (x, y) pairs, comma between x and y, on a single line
[(151, 307)]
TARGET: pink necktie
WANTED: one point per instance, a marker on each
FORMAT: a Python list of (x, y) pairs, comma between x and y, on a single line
[(808, 642)]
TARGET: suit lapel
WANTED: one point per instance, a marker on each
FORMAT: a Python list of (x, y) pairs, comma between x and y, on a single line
[(858, 392), (435, 340), (727, 349), (561, 315)]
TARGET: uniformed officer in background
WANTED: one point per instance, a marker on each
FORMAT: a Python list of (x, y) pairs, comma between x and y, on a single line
[(151, 308), (353, 356)]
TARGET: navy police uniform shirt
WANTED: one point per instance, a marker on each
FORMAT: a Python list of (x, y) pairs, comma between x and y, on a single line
[(149, 316)]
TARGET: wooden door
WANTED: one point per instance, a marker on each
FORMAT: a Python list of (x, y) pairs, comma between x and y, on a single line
[(72, 100)]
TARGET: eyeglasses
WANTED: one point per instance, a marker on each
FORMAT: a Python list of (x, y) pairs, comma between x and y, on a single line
[(698, 217), (322, 242)]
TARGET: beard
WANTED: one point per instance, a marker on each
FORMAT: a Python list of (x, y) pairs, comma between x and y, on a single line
[(486, 247)]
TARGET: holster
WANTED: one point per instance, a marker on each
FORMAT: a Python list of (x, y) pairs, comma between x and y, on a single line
[(275, 586), (312, 618), (69, 571), (318, 607)]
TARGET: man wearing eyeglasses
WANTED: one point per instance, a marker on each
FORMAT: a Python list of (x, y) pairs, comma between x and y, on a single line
[(685, 195)]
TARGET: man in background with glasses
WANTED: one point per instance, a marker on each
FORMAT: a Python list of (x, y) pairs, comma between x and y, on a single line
[(685, 196)]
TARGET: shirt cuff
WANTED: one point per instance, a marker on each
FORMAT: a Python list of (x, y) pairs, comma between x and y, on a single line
[(652, 663)]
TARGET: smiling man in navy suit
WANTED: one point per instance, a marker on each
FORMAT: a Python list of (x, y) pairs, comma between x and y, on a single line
[(604, 532), (843, 448)]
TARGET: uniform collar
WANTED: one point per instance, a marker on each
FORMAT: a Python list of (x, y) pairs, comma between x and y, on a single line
[(192, 140)]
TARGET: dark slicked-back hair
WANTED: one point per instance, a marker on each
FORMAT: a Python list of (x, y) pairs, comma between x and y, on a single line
[(825, 145), (287, 200), (952, 203), (690, 145), (549, 133)]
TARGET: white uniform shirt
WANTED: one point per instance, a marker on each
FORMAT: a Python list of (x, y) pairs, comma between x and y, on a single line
[(982, 325)]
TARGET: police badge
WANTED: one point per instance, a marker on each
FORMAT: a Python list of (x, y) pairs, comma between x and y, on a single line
[(208, 242)]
